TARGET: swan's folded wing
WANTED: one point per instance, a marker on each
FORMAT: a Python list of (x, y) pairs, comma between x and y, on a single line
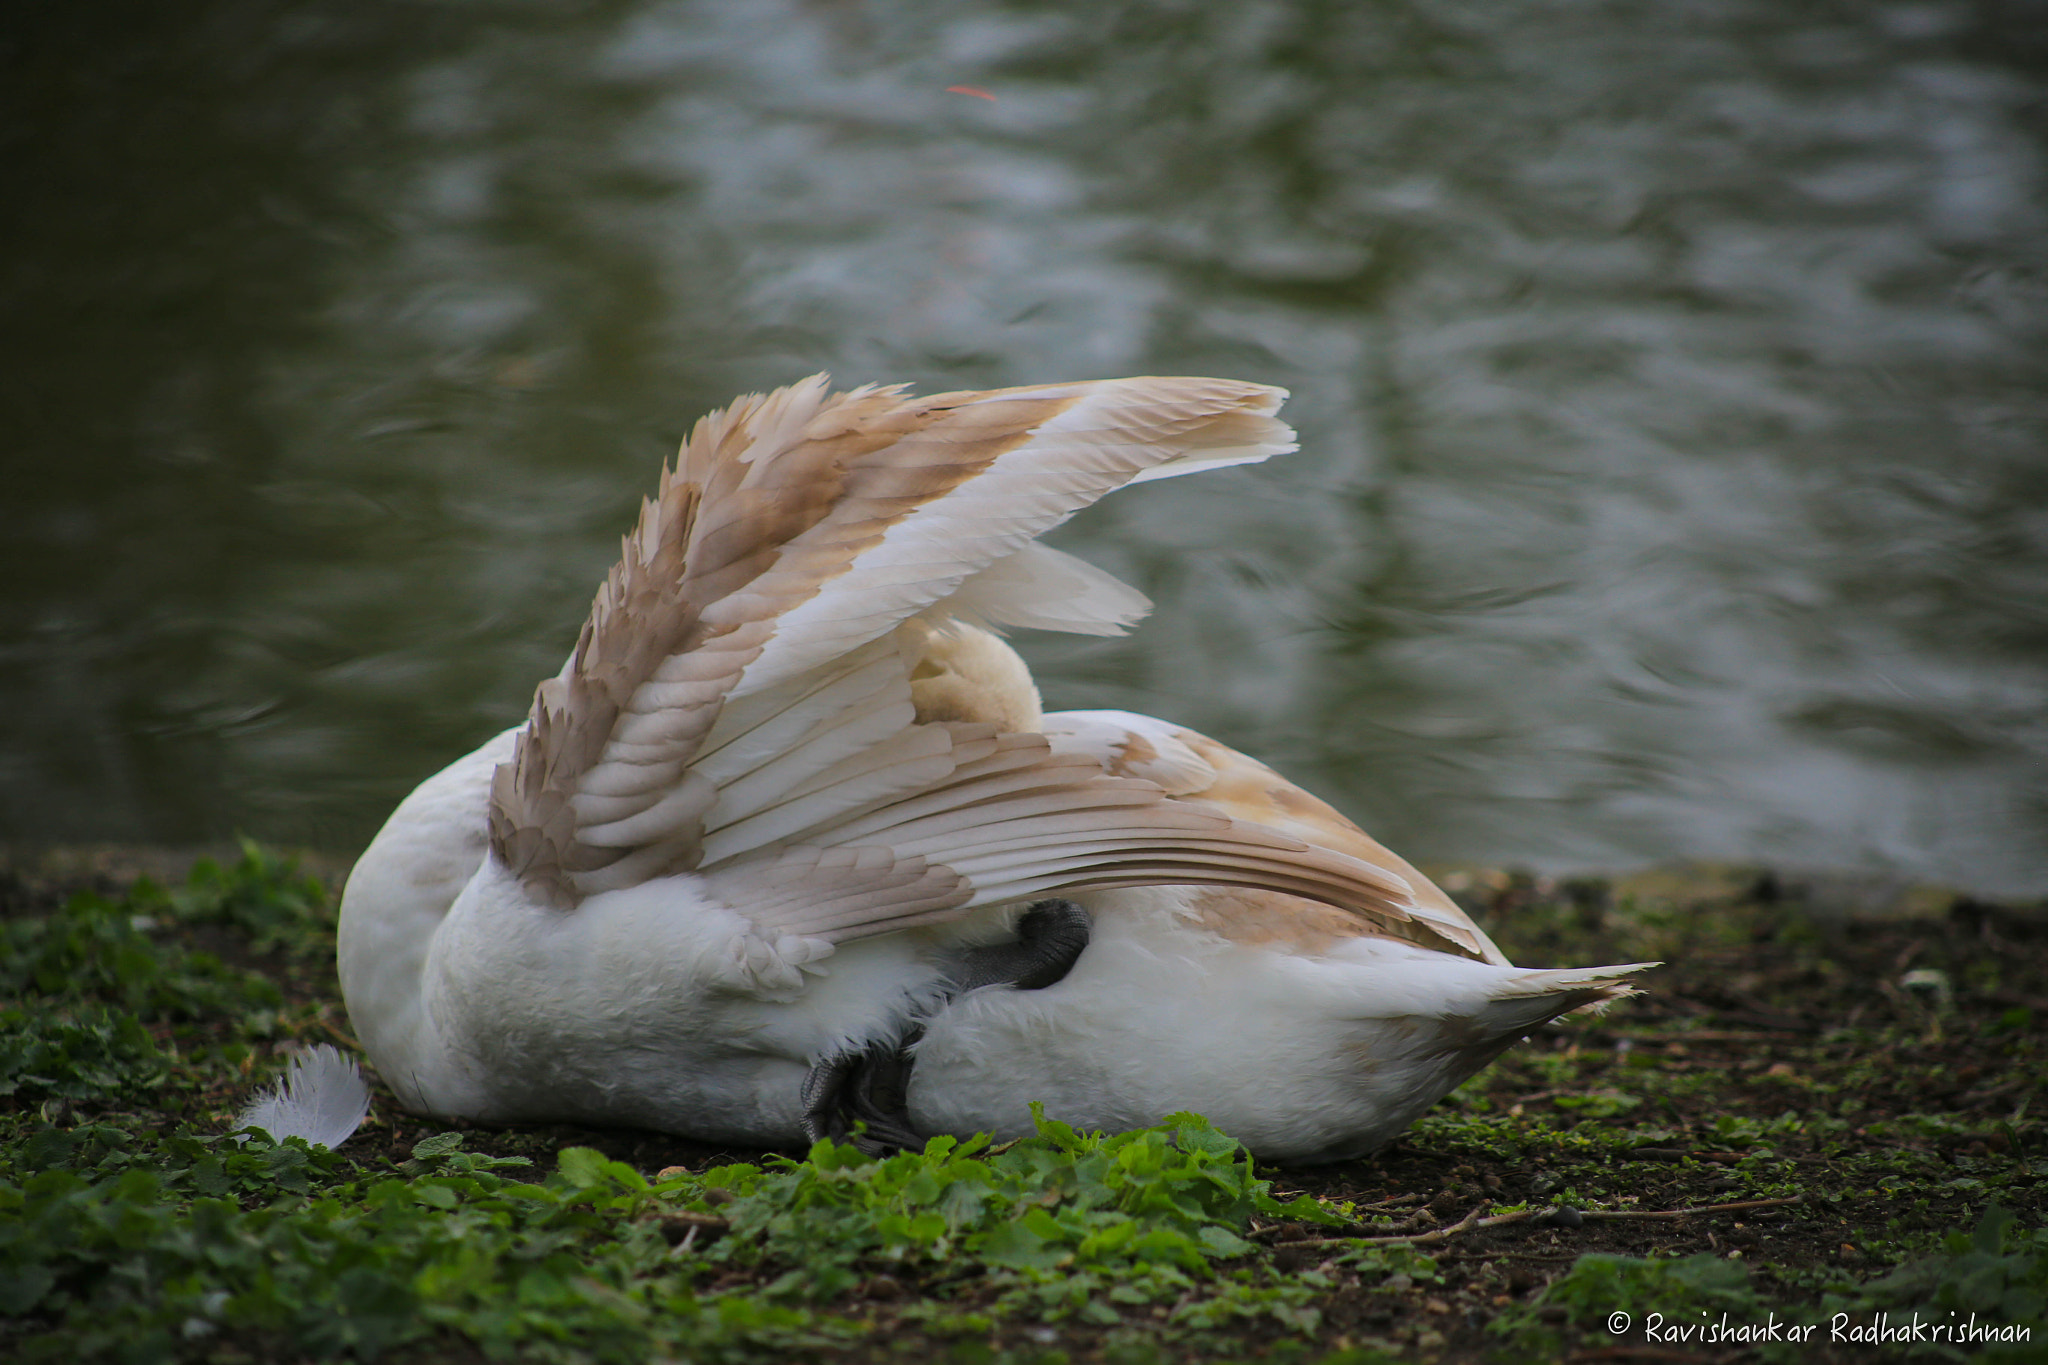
[(1203, 773), (1015, 820), (797, 530), (837, 814)]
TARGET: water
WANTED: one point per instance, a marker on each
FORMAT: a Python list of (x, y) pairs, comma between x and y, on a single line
[(1673, 382)]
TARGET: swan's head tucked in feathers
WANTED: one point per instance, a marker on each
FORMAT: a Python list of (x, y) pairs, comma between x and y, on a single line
[(964, 673)]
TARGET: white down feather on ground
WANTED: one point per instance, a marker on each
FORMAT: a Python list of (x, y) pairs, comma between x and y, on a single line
[(322, 1097)]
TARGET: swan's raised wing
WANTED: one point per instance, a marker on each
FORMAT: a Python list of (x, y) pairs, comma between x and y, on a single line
[(1202, 773), (739, 705)]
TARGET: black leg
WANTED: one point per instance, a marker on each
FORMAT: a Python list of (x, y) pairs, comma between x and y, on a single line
[(1050, 937), (872, 1086)]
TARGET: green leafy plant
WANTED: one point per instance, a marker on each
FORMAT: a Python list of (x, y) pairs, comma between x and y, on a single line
[(1996, 1275), (134, 1227)]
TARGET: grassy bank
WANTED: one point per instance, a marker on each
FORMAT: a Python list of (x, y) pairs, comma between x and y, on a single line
[(1824, 1115)]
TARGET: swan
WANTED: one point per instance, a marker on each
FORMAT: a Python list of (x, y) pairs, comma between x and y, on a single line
[(789, 846)]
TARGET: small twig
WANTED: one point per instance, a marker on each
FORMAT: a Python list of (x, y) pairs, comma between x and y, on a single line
[(682, 1228), (340, 1035), (1465, 1224), (1397, 1201), (1472, 1221), (1551, 1257), (1359, 1212), (1680, 1154), (1391, 1202), (1537, 1095), (1623, 1215)]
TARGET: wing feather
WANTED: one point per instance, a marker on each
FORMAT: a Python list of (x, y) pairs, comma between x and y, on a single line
[(740, 704), (1044, 588), (796, 528), (1197, 769)]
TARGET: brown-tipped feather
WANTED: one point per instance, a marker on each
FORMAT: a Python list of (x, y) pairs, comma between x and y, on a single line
[(1218, 777), (734, 580), (720, 533), (1249, 790)]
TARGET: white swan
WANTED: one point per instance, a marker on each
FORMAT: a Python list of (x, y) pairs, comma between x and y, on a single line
[(787, 791)]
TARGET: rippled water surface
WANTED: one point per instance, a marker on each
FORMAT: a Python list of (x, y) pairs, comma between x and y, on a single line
[(1672, 379)]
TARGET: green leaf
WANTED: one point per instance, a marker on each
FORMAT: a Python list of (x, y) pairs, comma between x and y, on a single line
[(23, 1287), (583, 1167), (437, 1146)]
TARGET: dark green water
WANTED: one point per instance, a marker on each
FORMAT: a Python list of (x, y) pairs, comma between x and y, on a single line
[(1672, 377)]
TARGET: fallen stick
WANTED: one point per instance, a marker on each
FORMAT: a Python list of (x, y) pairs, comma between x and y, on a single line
[(1466, 1224), (1620, 1215), (1472, 1221)]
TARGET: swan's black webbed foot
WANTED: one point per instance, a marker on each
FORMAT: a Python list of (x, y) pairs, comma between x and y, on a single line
[(871, 1086), (1050, 937)]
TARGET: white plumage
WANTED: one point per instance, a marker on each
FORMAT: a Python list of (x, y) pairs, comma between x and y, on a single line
[(322, 1098), (786, 778)]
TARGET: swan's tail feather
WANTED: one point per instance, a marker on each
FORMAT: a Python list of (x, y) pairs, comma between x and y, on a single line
[(1536, 997), (322, 1098)]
